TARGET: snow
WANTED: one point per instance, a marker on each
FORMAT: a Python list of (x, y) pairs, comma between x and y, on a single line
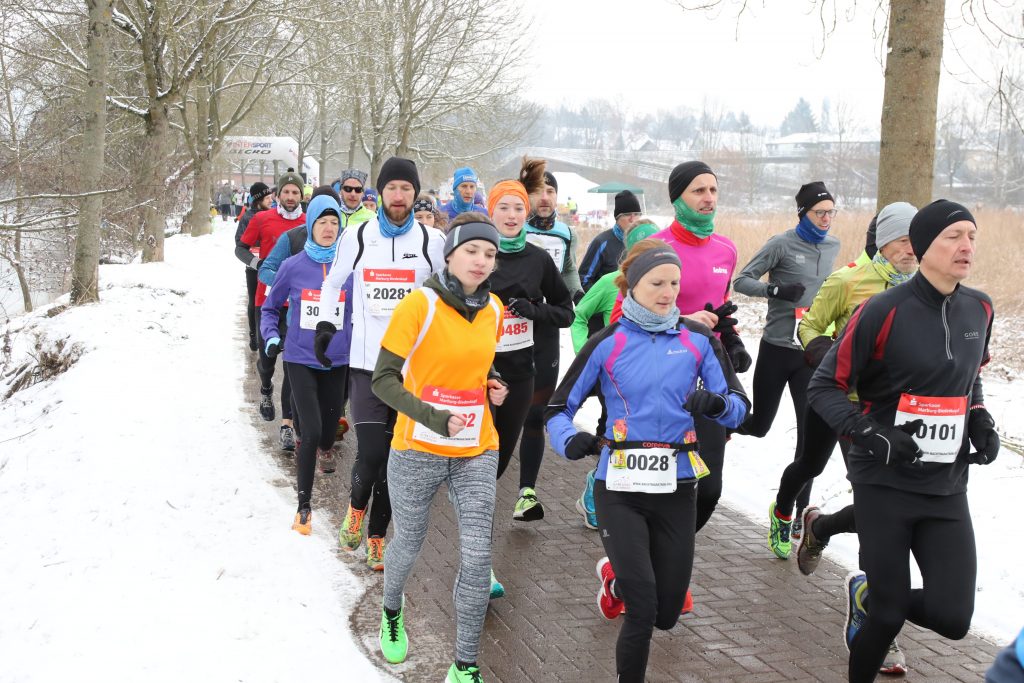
[(754, 466), (143, 537)]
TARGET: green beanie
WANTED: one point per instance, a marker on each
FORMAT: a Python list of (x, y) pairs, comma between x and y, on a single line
[(640, 232)]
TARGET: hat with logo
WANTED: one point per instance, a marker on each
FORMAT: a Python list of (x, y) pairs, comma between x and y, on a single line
[(809, 195), (290, 177), (933, 219)]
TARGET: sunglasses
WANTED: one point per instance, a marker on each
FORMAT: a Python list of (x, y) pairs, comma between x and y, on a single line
[(349, 188)]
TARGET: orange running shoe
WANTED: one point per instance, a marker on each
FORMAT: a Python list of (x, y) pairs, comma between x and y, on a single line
[(687, 603), (303, 522), (343, 428), (375, 553), (351, 533)]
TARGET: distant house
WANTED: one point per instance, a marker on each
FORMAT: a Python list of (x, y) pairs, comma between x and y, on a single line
[(805, 145)]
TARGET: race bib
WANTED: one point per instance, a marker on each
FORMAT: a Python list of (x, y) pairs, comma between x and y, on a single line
[(642, 470), (469, 405), (312, 312), (517, 333), (798, 315), (385, 287), (941, 435), (553, 245)]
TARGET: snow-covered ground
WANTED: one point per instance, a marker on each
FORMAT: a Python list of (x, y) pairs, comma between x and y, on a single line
[(142, 538)]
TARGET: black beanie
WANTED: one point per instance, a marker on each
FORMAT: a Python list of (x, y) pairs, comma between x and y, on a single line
[(397, 168), (258, 191), (327, 190), (809, 195), (626, 202), (549, 179), (933, 219), (683, 174)]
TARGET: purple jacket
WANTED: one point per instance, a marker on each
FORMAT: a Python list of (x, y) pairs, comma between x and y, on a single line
[(298, 280), (452, 212)]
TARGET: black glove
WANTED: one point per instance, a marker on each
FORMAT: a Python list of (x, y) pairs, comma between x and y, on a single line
[(738, 356), (703, 402), (815, 351), (891, 445), (981, 430), (581, 445), (791, 292), (724, 312), (524, 308), (325, 332), (273, 348)]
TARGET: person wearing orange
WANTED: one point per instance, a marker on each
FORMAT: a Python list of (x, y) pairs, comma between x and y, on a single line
[(435, 369)]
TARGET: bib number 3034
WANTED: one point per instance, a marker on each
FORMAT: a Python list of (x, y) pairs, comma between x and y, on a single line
[(643, 470), (313, 311), (941, 433)]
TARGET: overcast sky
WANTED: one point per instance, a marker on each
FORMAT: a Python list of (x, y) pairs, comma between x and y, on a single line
[(659, 56)]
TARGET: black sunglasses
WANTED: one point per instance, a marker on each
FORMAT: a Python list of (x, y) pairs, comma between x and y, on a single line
[(348, 188)]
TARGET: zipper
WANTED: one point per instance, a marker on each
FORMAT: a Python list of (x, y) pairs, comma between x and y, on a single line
[(945, 324)]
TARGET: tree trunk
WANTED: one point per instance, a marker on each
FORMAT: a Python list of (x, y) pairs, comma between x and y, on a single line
[(150, 184), (321, 110), (198, 219), (85, 272), (357, 121), (906, 163), (19, 187)]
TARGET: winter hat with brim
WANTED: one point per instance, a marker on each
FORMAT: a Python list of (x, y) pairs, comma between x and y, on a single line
[(809, 195), (648, 260), (397, 168), (640, 232), (467, 232), (464, 175), (626, 202), (683, 174), (258, 191), (290, 177), (893, 222), (933, 219)]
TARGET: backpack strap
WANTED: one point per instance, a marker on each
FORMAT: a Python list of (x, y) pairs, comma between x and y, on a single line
[(359, 242)]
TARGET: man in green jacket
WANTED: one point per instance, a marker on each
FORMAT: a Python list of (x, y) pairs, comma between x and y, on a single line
[(350, 186)]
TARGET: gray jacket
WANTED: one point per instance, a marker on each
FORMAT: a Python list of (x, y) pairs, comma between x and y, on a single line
[(787, 259)]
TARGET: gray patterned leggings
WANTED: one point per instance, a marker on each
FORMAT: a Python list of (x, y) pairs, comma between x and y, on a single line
[(413, 479)]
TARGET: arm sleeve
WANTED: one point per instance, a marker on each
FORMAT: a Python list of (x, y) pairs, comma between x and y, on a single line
[(556, 309), (435, 250), (827, 307), (344, 261), (242, 252), (837, 375), (572, 391), (977, 391), (270, 312), (271, 264), (571, 275), (387, 386), (243, 223), (591, 261), (250, 238), (718, 376), (585, 309), (749, 280)]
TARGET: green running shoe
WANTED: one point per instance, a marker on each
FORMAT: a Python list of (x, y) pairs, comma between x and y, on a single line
[(497, 590), (778, 534), (394, 643), (468, 674), (528, 508)]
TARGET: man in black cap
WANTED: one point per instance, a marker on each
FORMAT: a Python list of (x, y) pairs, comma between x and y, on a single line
[(260, 199), (605, 250), (913, 354)]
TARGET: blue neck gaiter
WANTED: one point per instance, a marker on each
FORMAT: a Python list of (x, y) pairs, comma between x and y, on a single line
[(389, 229), (461, 206), (809, 232), (619, 233), (319, 253)]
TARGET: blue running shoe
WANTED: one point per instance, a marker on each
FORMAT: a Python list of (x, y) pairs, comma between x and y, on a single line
[(497, 589), (585, 503), (856, 613)]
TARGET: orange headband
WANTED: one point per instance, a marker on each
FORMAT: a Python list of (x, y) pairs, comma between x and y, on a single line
[(504, 188)]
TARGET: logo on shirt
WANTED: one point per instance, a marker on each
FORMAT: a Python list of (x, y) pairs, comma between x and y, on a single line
[(409, 255), (720, 270), (972, 335), (799, 258), (675, 352)]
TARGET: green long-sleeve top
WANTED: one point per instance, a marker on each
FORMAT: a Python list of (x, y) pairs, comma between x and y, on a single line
[(599, 299)]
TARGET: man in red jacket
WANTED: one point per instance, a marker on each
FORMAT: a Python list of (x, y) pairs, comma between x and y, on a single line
[(263, 231)]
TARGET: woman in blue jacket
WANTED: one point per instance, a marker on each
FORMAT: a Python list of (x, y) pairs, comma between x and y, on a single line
[(318, 392), (647, 366)]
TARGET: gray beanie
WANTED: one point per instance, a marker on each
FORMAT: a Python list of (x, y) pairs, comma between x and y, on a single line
[(648, 260), (466, 232), (353, 173), (893, 222)]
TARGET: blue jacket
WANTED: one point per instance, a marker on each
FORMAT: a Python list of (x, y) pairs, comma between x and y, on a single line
[(645, 379), (452, 212)]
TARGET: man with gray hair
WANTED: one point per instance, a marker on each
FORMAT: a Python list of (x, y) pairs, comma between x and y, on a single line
[(350, 187)]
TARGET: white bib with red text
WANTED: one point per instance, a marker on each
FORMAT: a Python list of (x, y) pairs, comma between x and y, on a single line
[(517, 333), (313, 312), (642, 470), (467, 404), (941, 435), (385, 287), (798, 315)]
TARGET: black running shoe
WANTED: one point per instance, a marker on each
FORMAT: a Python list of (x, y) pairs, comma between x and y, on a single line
[(287, 438), (267, 403)]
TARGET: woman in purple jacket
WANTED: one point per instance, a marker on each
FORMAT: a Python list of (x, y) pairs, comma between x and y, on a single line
[(318, 392)]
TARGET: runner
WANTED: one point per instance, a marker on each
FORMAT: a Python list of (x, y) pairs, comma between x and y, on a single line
[(559, 241), (914, 355), (444, 432), (370, 199), (797, 262), (605, 251), (261, 198), (423, 209), (534, 294), (350, 188), (708, 263), (387, 257), (318, 391), (263, 231), (647, 366), (464, 187)]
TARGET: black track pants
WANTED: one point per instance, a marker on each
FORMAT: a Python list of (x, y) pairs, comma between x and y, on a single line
[(509, 418), (711, 437), (318, 396), (545, 359), (817, 445), (265, 365), (649, 540), (375, 426), (250, 301)]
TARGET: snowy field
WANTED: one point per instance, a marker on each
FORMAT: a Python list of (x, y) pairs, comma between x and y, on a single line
[(143, 538)]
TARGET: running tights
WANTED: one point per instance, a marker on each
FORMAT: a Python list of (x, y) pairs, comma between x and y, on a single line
[(545, 360), (711, 437), (509, 418), (817, 445), (250, 302), (318, 396), (265, 365)]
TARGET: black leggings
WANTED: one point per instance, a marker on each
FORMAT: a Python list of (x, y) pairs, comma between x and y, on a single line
[(545, 360), (250, 301), (509, 418), (816, 447), (375, 426), (318, 396), (711, 437), (891, 524), (649, 540), (265, 365)]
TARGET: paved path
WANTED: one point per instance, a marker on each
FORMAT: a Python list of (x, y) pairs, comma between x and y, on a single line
[(756, 618)]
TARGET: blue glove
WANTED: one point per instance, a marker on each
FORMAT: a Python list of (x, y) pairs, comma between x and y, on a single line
[(273, 347)]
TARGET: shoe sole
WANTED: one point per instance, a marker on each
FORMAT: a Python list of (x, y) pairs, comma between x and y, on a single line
[(328, 470), (583, 511), (893, 670), (534, 514), (597, 570), (771, 514), (849, 605)]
